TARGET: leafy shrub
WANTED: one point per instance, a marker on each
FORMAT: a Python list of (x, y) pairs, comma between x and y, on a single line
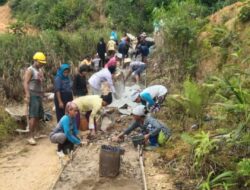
[(243, 170), (217, 36), (17, 28), (202, 146), (223, 180), (193, 99), (244, 14), (58, 46), (7, 124), (179, 33), (132, 15), (47, 14), (2, 2), (214, 5)]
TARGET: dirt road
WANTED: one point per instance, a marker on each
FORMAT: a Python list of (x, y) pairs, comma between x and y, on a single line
[(37, 167), (25, 167), (83, 172)]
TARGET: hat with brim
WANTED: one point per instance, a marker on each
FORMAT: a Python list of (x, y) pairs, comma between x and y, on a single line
[(139, 110), (119, 55), (127, 60), (135, 95), (42, 61)]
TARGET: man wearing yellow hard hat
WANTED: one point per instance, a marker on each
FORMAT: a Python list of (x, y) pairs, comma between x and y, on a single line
[(33, 87)]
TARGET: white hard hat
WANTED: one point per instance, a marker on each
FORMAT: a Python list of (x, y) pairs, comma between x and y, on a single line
[(143, 34), (134, 95), (139, 110), (119, 55)]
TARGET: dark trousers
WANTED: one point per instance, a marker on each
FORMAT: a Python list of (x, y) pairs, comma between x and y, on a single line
[(66, 147), (66, 97)]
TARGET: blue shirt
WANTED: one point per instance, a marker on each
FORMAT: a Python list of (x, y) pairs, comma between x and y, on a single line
[(70, 130), (113, 33), (147, 99)]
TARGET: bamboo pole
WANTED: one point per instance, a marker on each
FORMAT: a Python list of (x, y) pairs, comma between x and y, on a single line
[(62, 169), (142, 167)]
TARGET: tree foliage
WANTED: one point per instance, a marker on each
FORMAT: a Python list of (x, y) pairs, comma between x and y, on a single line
[(56, 14), (132, 15)]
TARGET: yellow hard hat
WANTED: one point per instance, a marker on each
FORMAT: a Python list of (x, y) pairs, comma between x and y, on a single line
[(40, 57)]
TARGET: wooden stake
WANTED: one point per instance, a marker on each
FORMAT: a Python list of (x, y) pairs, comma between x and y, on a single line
[(63, 167), (142, 166)]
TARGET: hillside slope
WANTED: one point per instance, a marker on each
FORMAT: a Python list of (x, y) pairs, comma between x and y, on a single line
[(224, 40)]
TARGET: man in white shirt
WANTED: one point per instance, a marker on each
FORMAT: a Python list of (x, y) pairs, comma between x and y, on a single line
[(104, 75)]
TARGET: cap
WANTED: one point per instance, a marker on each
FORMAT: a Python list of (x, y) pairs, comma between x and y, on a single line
[(119, 55), (139, 110), (134, 95)]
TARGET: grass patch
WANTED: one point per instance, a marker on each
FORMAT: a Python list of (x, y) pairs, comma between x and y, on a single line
[(7, 125)]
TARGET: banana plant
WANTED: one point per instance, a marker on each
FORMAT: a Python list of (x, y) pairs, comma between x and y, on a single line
[(224, 180), (202, 146)]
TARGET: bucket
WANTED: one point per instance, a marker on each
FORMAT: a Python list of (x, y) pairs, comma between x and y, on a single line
[(84, 125), (138, 140), (109, 163)]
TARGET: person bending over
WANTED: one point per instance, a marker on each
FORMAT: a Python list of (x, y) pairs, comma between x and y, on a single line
[(136, 68), (155, 133), (89, 106), (152, 97)]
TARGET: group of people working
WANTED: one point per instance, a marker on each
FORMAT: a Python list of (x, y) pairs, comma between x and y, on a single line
[(154, 131), (69, 110)]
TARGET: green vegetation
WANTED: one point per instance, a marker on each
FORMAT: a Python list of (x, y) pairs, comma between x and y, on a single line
[(2, 2), (132, 15), (223, 180), (214, 5), (209, 56), (180, 34), (58, 46), (219, 103), (7, 124), (46, 14), (193, 99), (244, 15)]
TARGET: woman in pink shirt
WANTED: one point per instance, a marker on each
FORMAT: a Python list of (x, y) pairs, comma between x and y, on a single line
[(113, 60)]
